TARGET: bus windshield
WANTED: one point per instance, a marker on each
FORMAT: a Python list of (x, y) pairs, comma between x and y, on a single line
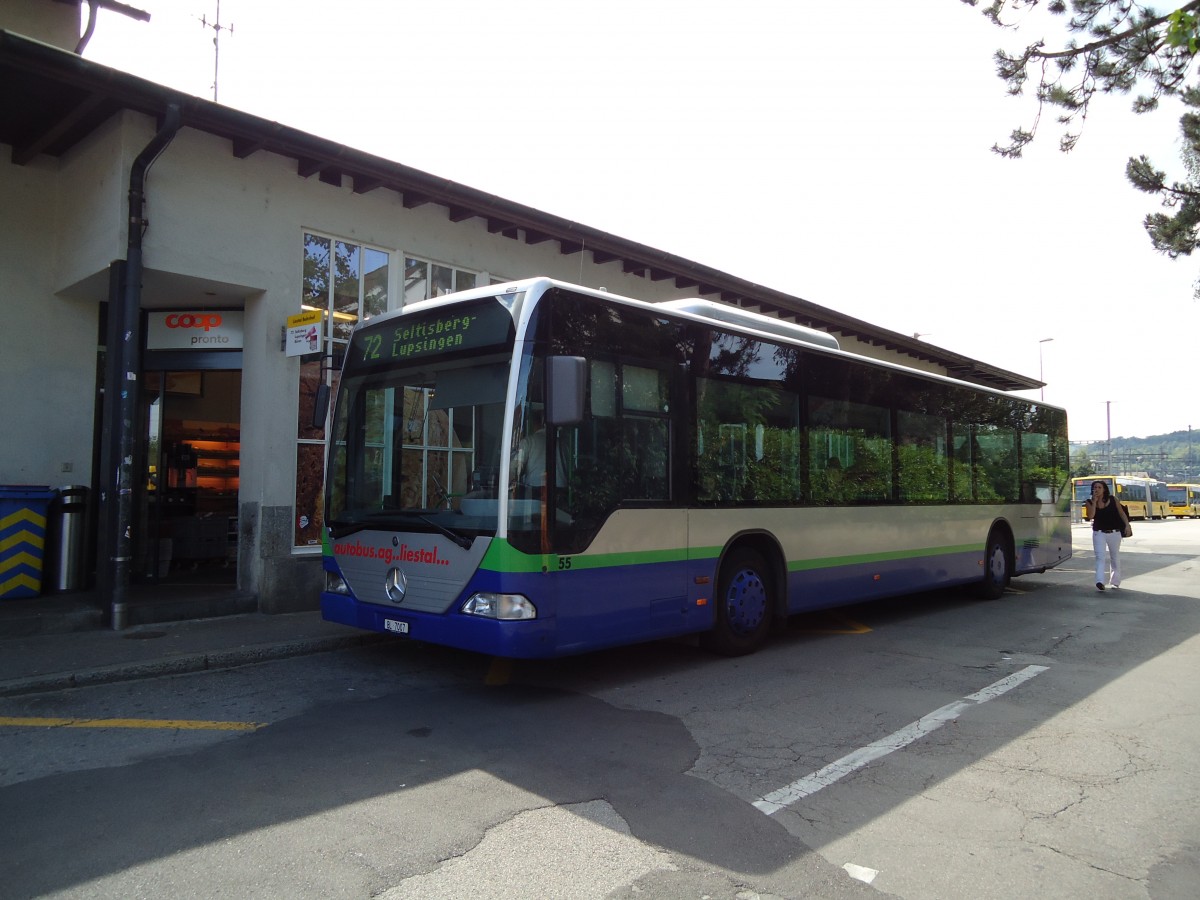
[(1083, 487), (419, 449)]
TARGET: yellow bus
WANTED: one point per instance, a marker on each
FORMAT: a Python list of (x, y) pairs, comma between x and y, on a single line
[(1160, 500), (1184, 500), (1131, 490)]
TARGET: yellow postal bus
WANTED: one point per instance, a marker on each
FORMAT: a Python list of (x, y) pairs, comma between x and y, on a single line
[(1131, 490), (1184, 500)]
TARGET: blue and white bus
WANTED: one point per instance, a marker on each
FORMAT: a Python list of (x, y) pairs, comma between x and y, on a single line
[(537, 469)]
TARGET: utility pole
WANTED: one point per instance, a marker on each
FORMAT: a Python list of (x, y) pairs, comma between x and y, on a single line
[(217, 28), (1041, 376), (1108, 443)]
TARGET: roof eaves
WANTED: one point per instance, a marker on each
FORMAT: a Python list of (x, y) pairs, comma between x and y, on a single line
[(106, 90)]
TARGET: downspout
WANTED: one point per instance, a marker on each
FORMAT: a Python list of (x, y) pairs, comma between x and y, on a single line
[(89, 30), (124, 405)]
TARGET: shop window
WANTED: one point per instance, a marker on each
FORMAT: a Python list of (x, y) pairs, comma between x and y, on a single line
[(345, 281), (424, 279)]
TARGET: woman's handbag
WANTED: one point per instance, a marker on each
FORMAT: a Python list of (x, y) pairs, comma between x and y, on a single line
[(1128, 532)]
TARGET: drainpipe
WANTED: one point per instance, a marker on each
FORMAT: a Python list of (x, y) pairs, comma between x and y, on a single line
[(121, 404)]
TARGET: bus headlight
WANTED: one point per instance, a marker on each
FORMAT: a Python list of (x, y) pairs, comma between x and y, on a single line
[(508, 607), (336, 584)]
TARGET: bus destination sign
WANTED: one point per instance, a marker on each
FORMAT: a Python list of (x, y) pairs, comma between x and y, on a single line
[(462, 327)]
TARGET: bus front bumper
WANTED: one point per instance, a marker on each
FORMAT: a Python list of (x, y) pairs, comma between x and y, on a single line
[(529, 639)]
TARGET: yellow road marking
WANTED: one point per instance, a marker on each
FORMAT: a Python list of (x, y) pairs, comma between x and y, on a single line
[(500, 672), (849, 626), (179, 724)]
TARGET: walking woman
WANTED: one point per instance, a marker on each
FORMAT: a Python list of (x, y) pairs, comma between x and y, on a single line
[(1109, 524)]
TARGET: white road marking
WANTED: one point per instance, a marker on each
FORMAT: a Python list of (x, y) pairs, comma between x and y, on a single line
[(862, 873), (810, 784)]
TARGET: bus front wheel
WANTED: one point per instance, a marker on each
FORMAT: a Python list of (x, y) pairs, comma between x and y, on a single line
[(744, 605), (997, 565)]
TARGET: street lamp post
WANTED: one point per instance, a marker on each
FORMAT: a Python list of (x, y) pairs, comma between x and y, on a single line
[(1040, 371), (1108, 419)]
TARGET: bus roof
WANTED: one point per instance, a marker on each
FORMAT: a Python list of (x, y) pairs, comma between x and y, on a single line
[(735, 315), (727, 316), (695, 307)]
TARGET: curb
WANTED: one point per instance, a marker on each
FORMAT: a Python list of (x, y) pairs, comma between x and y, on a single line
[(182, 664)]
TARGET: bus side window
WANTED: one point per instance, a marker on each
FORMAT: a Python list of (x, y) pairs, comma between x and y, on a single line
[(859, 435), (747, 442), (996, 480), (646, 438), (621, 449), (923, 460)]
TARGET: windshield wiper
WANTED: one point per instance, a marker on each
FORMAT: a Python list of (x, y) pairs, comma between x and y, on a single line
[(340, 529), (460, 539)]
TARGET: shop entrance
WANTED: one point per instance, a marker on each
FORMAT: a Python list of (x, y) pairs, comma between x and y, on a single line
[(189, 505)]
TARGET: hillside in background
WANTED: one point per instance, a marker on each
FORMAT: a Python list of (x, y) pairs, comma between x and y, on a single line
[(1169, 457)]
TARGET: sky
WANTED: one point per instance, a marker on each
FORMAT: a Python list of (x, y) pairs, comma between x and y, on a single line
[(838, 152)]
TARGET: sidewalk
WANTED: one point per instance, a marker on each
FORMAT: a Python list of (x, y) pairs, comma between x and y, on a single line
[(84, 652)]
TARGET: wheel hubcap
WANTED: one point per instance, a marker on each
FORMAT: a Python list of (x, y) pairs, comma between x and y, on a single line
[(746, 601), (997, 564)]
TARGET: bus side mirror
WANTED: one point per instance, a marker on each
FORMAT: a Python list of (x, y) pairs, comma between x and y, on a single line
[(565, 380), (320, 406)]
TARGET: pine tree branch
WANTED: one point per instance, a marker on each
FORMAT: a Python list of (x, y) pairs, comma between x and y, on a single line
[(1111, 40)]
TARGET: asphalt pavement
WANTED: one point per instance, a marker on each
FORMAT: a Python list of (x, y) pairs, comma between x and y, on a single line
[(56, 642), (61, 641)]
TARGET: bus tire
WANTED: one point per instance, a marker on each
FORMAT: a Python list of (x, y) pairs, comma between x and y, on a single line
[(745, 601), (997, 565)]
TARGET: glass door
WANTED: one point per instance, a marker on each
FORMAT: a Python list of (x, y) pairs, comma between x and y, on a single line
[(192, 462)]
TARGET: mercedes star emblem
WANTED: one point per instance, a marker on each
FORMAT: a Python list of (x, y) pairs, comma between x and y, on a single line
[(395, 584)]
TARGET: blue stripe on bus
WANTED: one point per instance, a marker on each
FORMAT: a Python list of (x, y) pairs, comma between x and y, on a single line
[(825, 587), (588, 609)]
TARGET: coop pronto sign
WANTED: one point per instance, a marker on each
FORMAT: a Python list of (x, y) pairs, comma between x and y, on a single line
[(195, 329)]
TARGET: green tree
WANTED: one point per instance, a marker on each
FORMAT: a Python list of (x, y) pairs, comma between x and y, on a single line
[(1113, 47), (1082, 464)]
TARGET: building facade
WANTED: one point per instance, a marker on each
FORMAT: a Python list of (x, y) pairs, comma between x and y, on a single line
[(247, 227)]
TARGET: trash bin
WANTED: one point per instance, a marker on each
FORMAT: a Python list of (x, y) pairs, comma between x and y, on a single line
[(68, 520), (23, 509)]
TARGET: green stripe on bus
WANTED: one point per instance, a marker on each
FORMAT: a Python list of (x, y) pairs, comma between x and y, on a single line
[(502, 557)]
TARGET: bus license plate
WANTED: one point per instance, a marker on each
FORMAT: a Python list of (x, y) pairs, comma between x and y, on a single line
[(393, 625)]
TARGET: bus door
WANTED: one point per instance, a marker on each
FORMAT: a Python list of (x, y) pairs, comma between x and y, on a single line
[(615, 531)]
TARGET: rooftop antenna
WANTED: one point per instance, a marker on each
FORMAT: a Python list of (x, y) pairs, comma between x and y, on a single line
[(217, 28)]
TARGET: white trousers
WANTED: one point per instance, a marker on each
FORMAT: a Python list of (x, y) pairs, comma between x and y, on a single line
[(1107, 545)]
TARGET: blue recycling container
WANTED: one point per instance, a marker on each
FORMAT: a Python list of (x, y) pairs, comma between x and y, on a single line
[(23, 509)]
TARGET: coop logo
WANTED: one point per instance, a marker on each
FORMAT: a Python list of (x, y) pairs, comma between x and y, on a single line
[(195, 329), (206, 321)]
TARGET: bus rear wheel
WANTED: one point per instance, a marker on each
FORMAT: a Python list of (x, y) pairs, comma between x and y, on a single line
[(997, 565), (745, 601)]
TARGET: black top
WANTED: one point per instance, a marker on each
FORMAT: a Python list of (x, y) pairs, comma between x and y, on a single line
[(1107, 518)]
